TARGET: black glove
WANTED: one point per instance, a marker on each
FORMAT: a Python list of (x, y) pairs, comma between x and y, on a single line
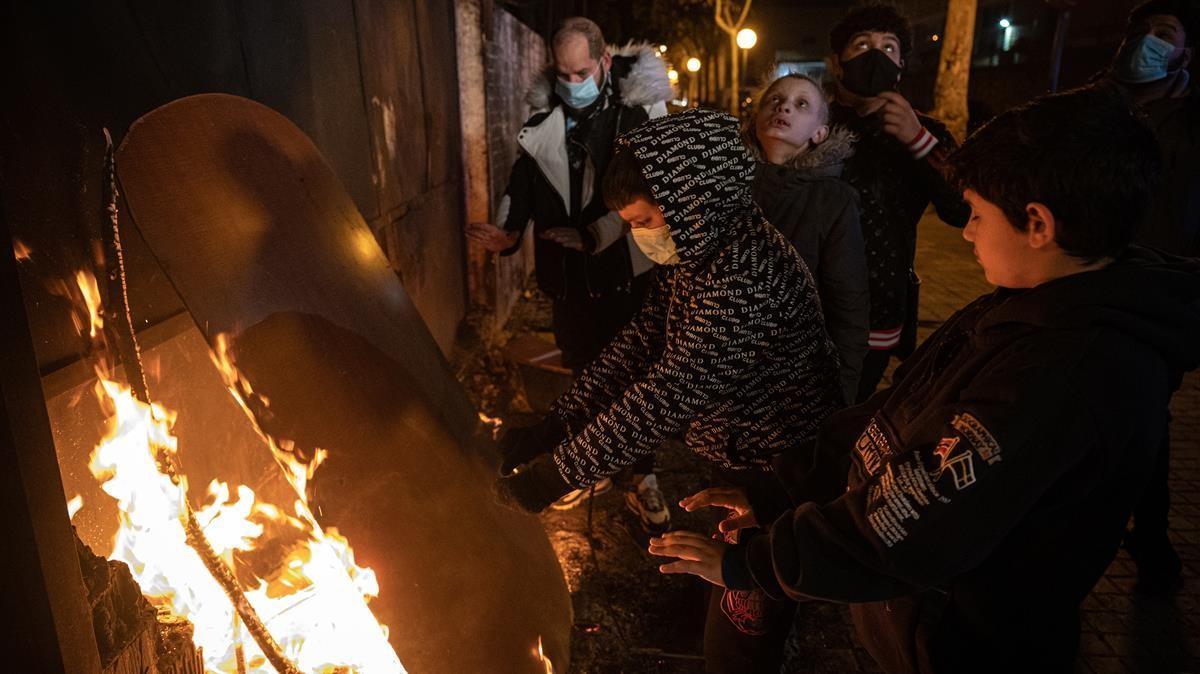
[(534, 488), (520, 445)]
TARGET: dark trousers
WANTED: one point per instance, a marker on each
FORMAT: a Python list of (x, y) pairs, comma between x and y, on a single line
[(1150, 514), (874, 365), (584, 325), (745, 631)]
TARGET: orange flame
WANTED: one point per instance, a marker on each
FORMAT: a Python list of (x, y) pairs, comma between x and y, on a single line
[(493, 422), (20, 251), (91, 297), (74, 505), (311, 596), (542, 657)]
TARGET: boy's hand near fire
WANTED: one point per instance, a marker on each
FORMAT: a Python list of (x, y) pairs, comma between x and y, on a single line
[(698, 554), (733, 499), (695, 553)]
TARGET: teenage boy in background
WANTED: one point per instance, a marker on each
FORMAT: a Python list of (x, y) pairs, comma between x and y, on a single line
[(896, 168)]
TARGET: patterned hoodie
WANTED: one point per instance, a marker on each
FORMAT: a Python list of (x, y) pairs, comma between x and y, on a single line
[(729, 346)]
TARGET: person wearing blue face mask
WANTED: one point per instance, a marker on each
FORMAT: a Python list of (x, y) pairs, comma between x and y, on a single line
[(1151, 69), (586, 261), (1151, 63)]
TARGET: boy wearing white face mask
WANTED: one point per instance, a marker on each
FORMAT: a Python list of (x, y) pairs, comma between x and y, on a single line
[(729, 349), (656, 244)]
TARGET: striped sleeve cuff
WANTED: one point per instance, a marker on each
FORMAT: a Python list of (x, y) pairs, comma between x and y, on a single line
[(922, 144), (882, 340)]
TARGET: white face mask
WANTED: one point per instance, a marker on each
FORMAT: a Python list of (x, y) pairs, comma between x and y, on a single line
[(656, 243)]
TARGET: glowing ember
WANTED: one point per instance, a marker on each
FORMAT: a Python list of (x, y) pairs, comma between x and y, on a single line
[(306, 587), (21, 251), (492, 422)]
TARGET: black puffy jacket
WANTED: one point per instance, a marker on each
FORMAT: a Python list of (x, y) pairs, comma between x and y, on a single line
[(729, 346), (808, 203)]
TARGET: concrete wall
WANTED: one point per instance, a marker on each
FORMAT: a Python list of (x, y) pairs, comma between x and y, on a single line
[(498, 56)]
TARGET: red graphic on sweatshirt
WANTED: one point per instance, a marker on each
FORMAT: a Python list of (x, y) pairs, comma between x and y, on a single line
[(746, 610)]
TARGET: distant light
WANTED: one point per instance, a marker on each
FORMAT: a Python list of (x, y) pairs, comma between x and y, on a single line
[(693, 65), (673, 75), (662, 48), (747, 38), (935, 37), (1005, 23)]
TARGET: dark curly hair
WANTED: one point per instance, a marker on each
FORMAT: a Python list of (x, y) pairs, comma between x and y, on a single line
[(623, 180), (1084, 153), (872, 17), (1183, 10)]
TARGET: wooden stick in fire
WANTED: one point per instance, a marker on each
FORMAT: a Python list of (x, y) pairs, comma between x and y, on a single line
[(127, 347)]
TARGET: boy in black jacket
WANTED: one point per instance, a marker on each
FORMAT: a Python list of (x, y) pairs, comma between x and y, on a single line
[(798, 187), (897, 168), (990, 486)]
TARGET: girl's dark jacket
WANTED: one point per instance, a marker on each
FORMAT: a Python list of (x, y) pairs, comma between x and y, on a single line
[(729, 346), (990, 487), (808, 203)]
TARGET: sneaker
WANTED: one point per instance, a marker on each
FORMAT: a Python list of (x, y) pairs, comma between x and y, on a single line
[(647, 502), (578, 496), (1159, 571)]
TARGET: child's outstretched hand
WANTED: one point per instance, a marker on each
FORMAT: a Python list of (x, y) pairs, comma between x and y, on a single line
[(695, 553), (733, 499)]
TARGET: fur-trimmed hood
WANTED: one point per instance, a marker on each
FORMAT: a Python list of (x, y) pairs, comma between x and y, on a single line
[(823, 160), (639, 78)]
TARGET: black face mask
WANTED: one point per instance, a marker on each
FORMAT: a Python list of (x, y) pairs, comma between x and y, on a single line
[(870, 74)]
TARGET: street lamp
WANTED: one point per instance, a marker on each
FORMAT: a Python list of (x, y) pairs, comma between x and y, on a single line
[(747, 38), (693, 80), (662, 48), (673, 75)]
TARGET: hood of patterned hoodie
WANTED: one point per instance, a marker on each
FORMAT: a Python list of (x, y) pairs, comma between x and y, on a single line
[(700, 174)]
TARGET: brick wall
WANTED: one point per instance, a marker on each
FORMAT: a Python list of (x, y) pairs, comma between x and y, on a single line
[(498, 56)]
